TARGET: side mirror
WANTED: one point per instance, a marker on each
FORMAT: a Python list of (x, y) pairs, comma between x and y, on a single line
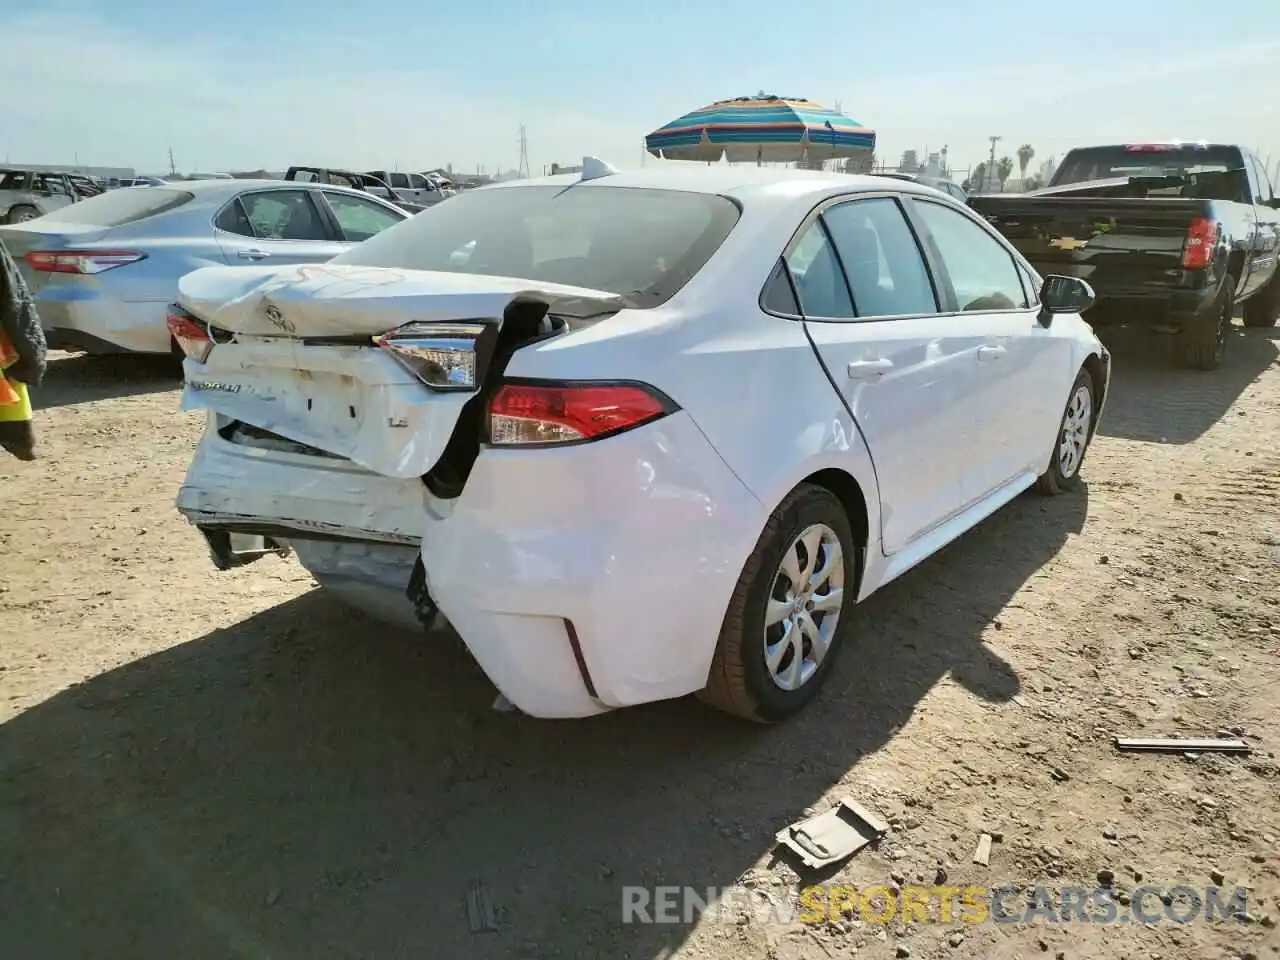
[(1059, 294)]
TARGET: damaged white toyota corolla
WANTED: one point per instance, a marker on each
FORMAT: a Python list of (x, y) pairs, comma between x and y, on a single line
[(637, 435)]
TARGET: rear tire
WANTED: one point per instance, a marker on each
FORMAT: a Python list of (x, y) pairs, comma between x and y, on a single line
[(21, 213), (1075, 432), (1203, 341), (789, 612), (1263, 308)]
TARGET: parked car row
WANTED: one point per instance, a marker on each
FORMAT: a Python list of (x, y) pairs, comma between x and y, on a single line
[(103, 271), (653, 435)]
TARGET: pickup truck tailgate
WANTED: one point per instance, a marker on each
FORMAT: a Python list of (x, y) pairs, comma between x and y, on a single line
[(1117, 244)]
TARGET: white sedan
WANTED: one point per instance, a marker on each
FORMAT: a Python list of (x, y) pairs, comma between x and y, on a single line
[(637, 435)]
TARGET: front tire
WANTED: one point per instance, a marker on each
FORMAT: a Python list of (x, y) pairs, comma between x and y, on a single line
[(1075, 431), (789, 612)]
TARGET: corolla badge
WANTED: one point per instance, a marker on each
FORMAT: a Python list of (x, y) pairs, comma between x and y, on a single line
[(278, 319), (214, 386)]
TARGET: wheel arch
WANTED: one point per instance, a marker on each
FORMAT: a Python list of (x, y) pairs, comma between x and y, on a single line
[(1098, 370), (859, 504)]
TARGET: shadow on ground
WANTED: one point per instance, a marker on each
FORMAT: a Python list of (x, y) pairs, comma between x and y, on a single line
[(81, 378), (306, 784), (1153, 400)]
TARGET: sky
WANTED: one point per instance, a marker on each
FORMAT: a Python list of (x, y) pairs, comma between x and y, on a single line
[(243, 84)]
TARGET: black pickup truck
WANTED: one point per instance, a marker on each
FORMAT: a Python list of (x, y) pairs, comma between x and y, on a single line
[(1171, 236)]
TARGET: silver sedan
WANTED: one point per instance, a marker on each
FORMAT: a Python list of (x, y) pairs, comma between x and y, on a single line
[(104, 271)]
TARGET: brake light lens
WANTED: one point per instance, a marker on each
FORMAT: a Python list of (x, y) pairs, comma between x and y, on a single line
[(1202, 240), (546, 414), (83, 262), (191, 335), (444, 356)]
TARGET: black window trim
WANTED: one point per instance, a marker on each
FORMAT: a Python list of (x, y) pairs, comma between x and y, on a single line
[(321, 210), (327, 212), (815, 216), (1020, 263)]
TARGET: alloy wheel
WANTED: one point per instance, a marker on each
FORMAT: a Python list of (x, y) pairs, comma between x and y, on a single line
[(804, 607), (1076, 423)]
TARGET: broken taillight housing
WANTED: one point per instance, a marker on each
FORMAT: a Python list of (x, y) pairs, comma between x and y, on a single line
[(444, 356), (190, 333), (1202, 240), (531, 413), (84, 262)]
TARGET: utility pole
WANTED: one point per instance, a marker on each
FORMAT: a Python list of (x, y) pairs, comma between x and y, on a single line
[(523, 170), (172, 167), (991, 166)]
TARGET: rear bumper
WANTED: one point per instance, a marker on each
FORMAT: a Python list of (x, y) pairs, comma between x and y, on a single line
[(581, 579), (596, 576), (284, 495), (1154, 308), (79, 318)]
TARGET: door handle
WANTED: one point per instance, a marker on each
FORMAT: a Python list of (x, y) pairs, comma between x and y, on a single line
[(252, 254), (990, 353), (865, 369)]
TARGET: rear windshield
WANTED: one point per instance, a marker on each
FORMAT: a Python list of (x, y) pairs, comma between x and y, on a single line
[(115, 208), (1107, 163), (643, 245)]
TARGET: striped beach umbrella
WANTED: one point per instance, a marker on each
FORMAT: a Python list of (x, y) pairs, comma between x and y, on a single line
[(761, 128)]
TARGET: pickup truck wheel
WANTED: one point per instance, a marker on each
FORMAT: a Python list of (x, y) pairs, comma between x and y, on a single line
[(22, 213), (1203, 341), (789, 612), (1072, 443), (1263, 308)]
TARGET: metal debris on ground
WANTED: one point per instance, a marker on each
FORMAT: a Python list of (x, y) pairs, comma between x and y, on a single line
[(832, 836), (1176, 745), (983, 854), (480, 912)]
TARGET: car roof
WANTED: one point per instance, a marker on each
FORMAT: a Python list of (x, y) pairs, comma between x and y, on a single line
[(214, 189), (742, 183)]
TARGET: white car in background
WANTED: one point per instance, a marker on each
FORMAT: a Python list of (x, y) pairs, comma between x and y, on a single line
[(104, 271), (642, 434)]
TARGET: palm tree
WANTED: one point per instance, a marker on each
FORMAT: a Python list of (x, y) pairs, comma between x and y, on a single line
[(1025, 154), (1004, 170), (978, 177)]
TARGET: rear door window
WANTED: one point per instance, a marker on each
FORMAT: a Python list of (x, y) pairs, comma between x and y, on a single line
[(273, 215), (400, 181), (881, 258)]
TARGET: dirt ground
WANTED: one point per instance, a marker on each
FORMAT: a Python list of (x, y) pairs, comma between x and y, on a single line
[(230, 765)]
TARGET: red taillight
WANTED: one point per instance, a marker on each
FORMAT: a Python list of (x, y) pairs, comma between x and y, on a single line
[(1202, 240), (85, 262), (545, 413), (191, 335)]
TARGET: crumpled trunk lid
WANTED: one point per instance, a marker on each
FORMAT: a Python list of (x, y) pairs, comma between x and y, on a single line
[(295, 352)]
